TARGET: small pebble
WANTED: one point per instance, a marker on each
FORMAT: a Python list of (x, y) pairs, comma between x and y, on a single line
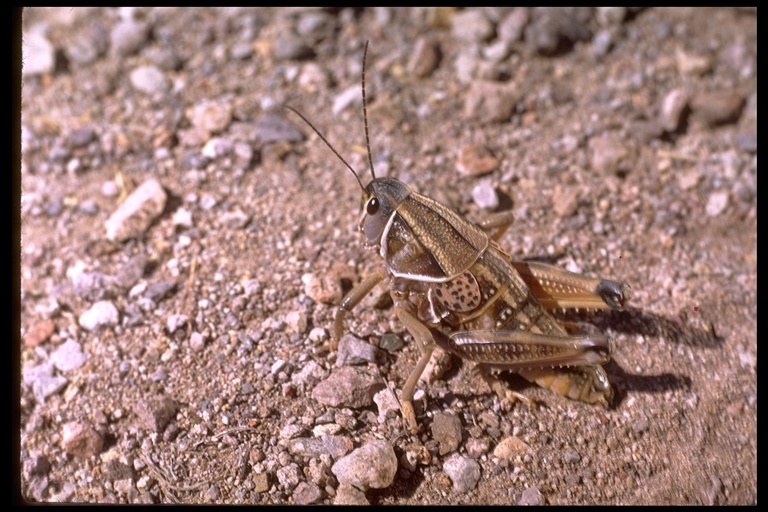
[(81, 440)]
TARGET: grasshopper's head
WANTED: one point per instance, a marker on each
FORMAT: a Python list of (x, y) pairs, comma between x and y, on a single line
[(380, 200)]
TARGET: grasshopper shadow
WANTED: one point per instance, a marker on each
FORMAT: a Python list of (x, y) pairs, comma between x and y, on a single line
[(632, 321), (692, 332), (401, 487)]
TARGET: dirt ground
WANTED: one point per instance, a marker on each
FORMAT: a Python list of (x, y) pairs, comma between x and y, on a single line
[(174, 356)]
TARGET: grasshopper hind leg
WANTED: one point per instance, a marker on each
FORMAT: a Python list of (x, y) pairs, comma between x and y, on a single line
[(587, 384), (501, 388)]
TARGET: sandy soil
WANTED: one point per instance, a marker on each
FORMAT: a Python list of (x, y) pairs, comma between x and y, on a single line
[(178, 365)]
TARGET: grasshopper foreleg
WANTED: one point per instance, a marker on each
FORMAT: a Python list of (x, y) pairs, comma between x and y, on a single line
[(418, 330), (351, 300), (426, 342)]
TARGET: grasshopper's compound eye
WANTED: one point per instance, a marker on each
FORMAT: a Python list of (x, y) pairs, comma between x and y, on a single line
[(372, 207)]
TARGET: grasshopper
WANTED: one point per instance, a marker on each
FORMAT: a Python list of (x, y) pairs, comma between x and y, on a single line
[(454, 287)]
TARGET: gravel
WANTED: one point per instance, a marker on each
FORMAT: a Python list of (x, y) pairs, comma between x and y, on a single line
[(186, 243)]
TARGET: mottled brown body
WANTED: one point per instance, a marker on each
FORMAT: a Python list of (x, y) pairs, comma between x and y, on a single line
[(490, 313), (453, 286)]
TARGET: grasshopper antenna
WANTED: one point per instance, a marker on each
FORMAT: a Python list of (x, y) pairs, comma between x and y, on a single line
[(328, 143), (365, 114)]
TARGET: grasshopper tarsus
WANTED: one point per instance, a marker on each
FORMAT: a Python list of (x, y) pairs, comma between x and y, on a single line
[(614, 294)]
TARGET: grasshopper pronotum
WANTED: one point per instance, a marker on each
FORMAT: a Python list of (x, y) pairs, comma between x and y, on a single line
[(453, 286)]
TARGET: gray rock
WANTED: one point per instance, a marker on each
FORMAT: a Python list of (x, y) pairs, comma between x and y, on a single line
[(155, 413), (717, 203), (157, 291), (315, 25), (163, 58), (211, 116), (217, 147), (555, 29), (137, 212), (241, 50), (87, 45), (372, 466), (424, 59), (603, 42), (717, 108), (81, 137), (346, 97), (447, 431), (477, 447), (497, 51), (175, 322), (113, 469), (463, 472), (353, 350), (128, 36), (131, 271), (68, 356), (92, 286), (307, 493), (391, 342), (490, 102), (42, 381), (531, 496), (386, 402), (471, 25), (289, 46), (484, 195), (291, 431), (512, 26), (213, 494), (102, 314), (197, 341), (309, 375), (81, 440), (348, 495), (610, 16), (149, 80), (335, 446), (289, 476), (673, 107), (746, 141), (347, 387), (274, 128), (38, 54), (611, 153), (571, 456)]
